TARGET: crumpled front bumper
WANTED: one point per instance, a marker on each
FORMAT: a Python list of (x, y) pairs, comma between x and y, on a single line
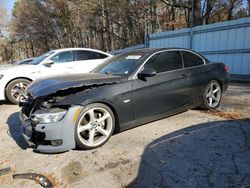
[(41, 135)]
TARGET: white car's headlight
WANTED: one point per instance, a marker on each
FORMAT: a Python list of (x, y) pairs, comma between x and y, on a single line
[(1, 76), (51, 116)]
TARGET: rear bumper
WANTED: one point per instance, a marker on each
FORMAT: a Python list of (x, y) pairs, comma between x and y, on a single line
[(226, 83), (44, 136)]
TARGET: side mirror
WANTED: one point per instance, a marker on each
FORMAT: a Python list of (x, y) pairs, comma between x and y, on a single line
[(48, 63), (147, 73)]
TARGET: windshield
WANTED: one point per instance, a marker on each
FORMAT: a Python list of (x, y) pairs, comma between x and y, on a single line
[(39, 59), (26, 61), (120, 65)]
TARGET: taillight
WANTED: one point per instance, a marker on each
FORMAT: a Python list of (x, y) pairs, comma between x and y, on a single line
[(226, 68)]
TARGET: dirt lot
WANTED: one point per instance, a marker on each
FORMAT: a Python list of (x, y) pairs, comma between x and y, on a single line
[(192, 149)]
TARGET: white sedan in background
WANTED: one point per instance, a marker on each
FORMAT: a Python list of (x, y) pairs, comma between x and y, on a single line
[(15, 79)]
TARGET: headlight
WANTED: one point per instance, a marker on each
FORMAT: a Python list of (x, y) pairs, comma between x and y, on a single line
[(51, 116), (1, 76)]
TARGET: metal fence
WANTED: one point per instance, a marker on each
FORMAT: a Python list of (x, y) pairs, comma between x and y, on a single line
[(227, 42), (127, 49)]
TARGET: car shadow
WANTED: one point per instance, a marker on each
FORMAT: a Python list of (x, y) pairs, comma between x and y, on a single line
[(14, 124), (6, 103), (213, 154)]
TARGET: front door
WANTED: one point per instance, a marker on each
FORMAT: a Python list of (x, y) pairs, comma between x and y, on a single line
[(63, 65), (164, 92)]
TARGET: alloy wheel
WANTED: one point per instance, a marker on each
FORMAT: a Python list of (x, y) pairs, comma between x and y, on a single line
[(94, 127), (213, 94), (18, 90)]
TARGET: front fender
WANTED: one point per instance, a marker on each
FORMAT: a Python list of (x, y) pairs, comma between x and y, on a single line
[(112, 95)]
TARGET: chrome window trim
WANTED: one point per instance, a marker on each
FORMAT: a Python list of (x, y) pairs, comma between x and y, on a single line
[(204, 62)]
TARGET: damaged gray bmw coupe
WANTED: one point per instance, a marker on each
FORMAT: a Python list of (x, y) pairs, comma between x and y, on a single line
[(130, 89)]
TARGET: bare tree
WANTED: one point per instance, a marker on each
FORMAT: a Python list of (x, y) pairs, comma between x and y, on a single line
[(231, 5), (40, 25)]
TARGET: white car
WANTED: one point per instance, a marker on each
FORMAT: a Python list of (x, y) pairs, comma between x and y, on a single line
[(24, 61), (15, 79)]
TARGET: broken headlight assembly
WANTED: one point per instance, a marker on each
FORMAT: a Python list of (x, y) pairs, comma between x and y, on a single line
[(48, 116)]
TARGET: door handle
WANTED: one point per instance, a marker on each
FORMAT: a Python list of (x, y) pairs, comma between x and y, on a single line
[(184, 76)]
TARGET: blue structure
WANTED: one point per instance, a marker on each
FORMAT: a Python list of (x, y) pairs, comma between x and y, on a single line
[(127, 49), (227, 42)]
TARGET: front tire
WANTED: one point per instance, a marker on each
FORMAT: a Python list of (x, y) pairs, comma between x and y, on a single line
[(15, 90), (212, 95), (94, 127)]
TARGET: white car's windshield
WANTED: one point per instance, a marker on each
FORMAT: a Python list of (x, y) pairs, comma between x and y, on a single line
[(39, 59), (25, 61)]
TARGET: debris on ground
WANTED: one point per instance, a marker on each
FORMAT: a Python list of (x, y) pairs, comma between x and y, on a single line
[(73, 172), (39, 178), (226, 115), (5, 171), (56, 182)]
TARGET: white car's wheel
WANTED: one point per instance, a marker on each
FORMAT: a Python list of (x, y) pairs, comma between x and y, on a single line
[(95, 126), (15, 90), (212, 95)]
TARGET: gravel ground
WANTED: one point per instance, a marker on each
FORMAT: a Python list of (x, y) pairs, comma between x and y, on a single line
[(191, 149), (237, 99)]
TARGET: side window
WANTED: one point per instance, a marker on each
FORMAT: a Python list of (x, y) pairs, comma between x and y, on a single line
[(191, 59), (100, 55), (88, 55), (165, 61), (62, 57)]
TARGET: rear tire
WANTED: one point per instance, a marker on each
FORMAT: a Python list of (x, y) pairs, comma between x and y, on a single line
[(15, 90), (95, 126), (211, 95)]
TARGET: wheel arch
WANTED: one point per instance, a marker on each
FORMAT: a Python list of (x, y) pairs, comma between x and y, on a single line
[(113, 109), (214, 79), (221, 84), (217, 80), (26, 78), (15, 79)]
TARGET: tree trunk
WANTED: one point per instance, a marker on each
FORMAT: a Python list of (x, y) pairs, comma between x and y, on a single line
[(32, 49), (153, 14), (209, 8), (196, 13), (173, 17), (26, 49), (107, 24), (230, 9)]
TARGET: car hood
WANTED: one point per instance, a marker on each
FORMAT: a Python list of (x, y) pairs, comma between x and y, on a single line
[(12, 68), (51, 85), (5, 65)]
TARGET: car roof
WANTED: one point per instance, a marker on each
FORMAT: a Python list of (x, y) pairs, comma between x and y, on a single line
[(153, 50), (86, 49)]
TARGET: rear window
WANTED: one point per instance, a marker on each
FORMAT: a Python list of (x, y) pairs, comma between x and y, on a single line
[(88, 55), (190, 59)]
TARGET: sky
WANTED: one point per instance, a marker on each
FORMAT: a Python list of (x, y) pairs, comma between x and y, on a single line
[(9, 5)]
